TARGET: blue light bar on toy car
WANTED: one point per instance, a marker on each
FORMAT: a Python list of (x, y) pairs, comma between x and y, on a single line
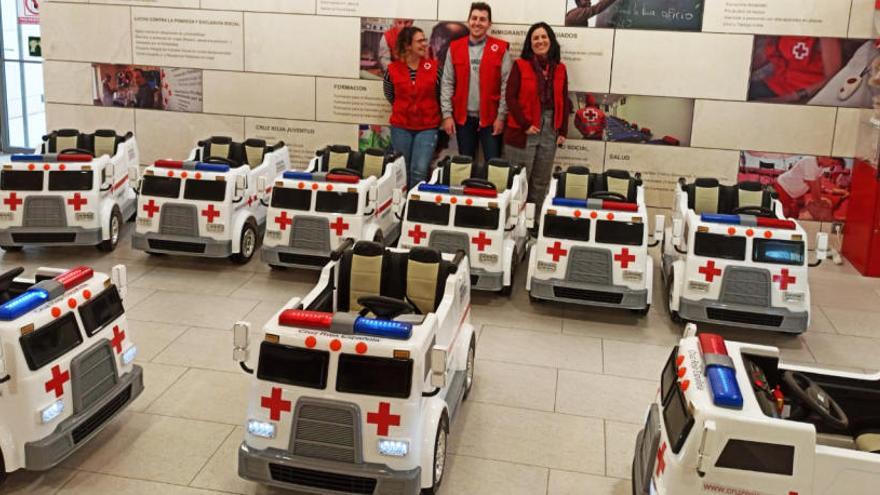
[(23, 303), (383, 328), (720, 218), (297, 175), (720, 371), (26, 158), (572, 203), (212, 167), (433, 188)]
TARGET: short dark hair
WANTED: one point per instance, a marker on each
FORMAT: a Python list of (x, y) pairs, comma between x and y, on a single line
[(481, 6), (554, 55), (405, 38)]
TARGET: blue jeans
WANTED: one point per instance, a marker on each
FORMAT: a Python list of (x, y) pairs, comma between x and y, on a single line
[(470, 134), (417, 148)]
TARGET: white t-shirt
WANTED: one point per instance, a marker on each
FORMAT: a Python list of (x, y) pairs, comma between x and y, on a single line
[(794, 180)]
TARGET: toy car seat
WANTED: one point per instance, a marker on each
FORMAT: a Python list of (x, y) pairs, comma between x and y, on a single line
[(100, 142), (370, 163), (618, 182), (501, 173), (573, 183), (251, 152), (360, 274), (869, 441), (426, 273), (457, 169)]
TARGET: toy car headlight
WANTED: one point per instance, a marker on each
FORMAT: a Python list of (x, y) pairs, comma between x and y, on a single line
[(273, 234), (129, 355), (50, 413), (84, 215), (144, 221), (215, 227), (488, 258), (7, 215), (546, 266), (262, 429), (395, 448), (793, 297), (632, 275), (698, 286)]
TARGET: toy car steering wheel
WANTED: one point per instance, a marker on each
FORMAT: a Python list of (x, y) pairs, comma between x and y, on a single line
[(477, 182), (75, 151), (8, 276), (759, 211), (219, 159), (816, 399), (385, 307), (608, 195), (346, 171)]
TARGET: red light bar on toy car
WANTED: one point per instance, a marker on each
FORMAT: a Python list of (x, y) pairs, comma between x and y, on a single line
[(596, 204), (748, 221), (480, 191), (171, 164), (75, 276), (350, 179), (720, 371), (306, 319), (52, 157)]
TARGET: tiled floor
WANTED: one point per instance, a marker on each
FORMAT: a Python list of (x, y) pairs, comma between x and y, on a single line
[(560, 391)]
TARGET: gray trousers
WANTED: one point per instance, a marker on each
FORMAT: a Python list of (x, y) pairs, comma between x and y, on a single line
[(537, 157)]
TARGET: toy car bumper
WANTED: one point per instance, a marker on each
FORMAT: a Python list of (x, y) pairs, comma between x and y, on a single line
[(647, 442), (757, 317), (76, 430), (294, 258), (52, 236), (612, 296), (171, 244), (309, 475), (486, 280)]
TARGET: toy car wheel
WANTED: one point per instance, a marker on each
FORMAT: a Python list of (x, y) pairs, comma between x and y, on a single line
[(248, 245), (673, 315), (11, 249), (469, 368), (114, 230), (439, 456)]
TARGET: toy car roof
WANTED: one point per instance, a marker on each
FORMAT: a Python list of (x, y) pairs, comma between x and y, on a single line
[(45, 290), (248, 152)]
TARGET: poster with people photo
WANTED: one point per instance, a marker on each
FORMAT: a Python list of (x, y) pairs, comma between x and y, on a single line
[(669, 15), (379, 40), (146, 86), (832, 72), (809, 187), (631, 119)]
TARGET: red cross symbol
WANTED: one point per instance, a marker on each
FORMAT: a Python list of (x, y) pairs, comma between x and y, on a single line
[(77, 201), (57, 382), (151, 208), (13, 201), (275, 404), (591, 115), (118, 337), (556, 251), (339, 226), (661, 459), (481, 241), (210, 213), (784, 279), (710, 271), (383, 418), (624, 258), (800, 51), (417, 234), (283, 221)]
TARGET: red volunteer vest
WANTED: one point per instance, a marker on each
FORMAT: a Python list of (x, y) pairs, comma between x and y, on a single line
[(797, 64), (490, 79), (590, 121), (415, 105), (391, 39), (529, 99)]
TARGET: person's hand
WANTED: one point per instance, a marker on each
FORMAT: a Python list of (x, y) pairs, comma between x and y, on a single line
[(532, 130), (448, 126), (560, 140), (497, 127)]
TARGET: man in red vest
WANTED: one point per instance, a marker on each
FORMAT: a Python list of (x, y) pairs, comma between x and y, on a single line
[(472, 96), (388, 42), (590, 120)]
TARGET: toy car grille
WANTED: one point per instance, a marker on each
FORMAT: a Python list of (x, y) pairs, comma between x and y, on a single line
[(41, 237), (744, 317), (326, 481), (103, 415), (44, 211), (589, 266), (182, 247), (588, 295), (450, 242), (177, 219), (311, 234), (325, 430), (93, 375), (745, 285), (302, 259)]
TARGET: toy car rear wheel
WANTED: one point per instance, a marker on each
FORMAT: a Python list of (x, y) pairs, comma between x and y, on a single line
[(247, 246), (11, 249), (469, 368), (114, 229), (439, 467), (673, 315)]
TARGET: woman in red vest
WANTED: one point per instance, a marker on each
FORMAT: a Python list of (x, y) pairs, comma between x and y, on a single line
[(538, 108), (412, 86)]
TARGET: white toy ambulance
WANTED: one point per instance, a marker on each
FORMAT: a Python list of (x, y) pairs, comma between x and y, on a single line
[(213, 204), (478, 209), (66, 363), (731, 418), (342, 402), (731, 257), (76, 192), (343, 194), (592, 247)]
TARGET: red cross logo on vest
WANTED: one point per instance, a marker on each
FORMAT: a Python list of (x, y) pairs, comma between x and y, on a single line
[(417, 234), (494, 47), (118, 338), (784, 278), (591, 115), (275, 404), (339, 226), (210, 213), (427, 65), (556, 251), (13, 201), (710, 271), (57, 382), (151, 208), (624, 258), (283, 220), (383, 418), (77, 202), (800, 51), (661, 459), (481, 241)]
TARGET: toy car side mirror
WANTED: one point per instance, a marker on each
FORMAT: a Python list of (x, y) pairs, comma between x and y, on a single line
[(397, 197), (119, 277), (4, 374), (515, 205), (659, 226), (821, 248), (134, 173), (261, 186), (530, 215), (240, 185), (240, 337), (677, 231), (438, 367)]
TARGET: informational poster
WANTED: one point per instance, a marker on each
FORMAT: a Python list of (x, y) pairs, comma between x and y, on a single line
[(183, 89), (421, 9), (146, 86), (631, 119), (29, 12), (278, 6), (508, 12), (669, 15), (187, 38), (184, 4), (352, 101), (302, 138), (781, 17), (590, 154)]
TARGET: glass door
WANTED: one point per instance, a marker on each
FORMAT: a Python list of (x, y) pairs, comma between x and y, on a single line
[(22, 102)]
